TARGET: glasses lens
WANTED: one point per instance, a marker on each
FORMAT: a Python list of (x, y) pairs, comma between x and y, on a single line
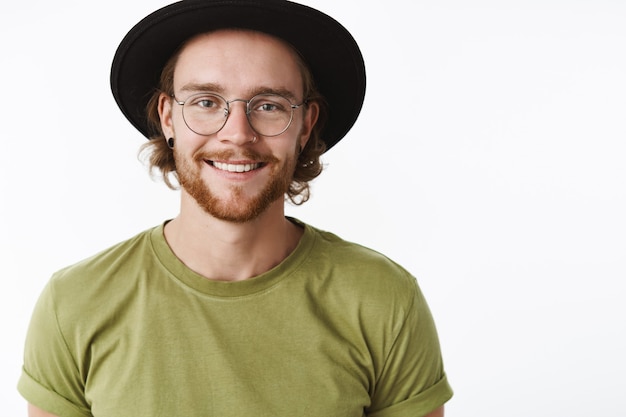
[(205, 114), (270, 114)]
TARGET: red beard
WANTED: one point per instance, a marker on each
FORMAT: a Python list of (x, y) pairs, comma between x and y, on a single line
[(237, 208)]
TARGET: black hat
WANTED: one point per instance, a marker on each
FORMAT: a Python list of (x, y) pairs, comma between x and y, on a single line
[(328, 49)]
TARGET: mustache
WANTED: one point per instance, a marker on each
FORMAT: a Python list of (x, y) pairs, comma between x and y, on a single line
[(229, 154)]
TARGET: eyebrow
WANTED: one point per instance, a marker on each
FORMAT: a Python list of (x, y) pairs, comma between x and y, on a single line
[(195, 88), (202, 88)]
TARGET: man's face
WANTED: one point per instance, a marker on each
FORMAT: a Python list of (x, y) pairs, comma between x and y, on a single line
[(230, 174)]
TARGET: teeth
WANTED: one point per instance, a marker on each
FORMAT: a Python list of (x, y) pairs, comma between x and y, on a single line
[(235, 167)]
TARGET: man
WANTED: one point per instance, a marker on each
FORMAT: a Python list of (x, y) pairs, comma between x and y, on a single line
[(232, 309)]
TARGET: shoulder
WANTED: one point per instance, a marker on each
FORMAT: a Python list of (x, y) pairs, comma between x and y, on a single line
[(104, 276), (359, 259), (362, 272), (364, 293), (108, 260)]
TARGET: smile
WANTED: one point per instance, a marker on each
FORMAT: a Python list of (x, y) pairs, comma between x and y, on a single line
[(235, 167)]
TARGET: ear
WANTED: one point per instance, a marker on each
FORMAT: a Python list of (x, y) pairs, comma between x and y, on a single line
[(165, 115), (310, 118)]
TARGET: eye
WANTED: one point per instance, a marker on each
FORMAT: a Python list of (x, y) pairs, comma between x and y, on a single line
[(269, 104), (205, 102), (267, 107)]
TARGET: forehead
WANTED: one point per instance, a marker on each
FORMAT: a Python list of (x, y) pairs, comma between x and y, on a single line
[(238, 61)]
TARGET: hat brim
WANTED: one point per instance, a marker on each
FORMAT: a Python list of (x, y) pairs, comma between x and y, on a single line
[(327, 47)]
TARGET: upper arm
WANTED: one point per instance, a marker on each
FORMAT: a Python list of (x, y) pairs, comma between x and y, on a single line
[(51, 376), (412, 377), (34, 411), (437, 413)]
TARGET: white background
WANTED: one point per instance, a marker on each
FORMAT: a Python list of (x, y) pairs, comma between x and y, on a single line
[(489, 160)]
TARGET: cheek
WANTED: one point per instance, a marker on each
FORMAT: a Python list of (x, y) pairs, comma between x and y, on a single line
[(292, 147), (188, 147), (177, 123), (186, 139)]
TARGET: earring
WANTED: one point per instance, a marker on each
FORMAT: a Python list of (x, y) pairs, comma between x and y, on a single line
[(170, 143), (254, 139)]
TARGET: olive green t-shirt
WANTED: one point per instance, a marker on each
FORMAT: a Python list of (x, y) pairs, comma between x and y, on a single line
[(335, 330)]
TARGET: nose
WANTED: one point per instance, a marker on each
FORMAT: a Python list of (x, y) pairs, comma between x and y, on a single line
[(237, 129)]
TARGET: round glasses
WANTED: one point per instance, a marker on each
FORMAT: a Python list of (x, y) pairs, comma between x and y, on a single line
[(268, 114)]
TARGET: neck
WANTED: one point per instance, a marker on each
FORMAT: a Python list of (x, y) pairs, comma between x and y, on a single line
[(227, 251)]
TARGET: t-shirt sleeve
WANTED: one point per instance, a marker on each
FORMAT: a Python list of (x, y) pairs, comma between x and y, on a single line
[(412, 382), (50, 376)]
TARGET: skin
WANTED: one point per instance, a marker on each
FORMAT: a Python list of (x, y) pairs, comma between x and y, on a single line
[(238, 65), (233, 235)]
